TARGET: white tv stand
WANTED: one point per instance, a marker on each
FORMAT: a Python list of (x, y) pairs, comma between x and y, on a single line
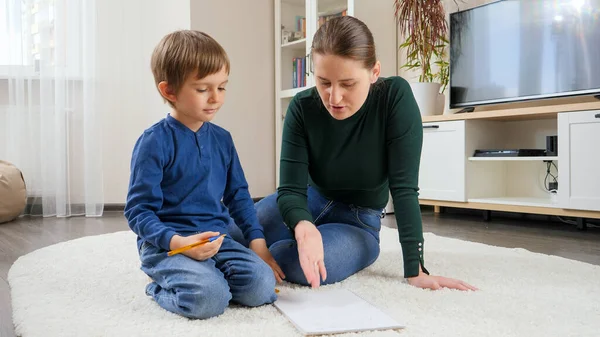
[(451, 177)]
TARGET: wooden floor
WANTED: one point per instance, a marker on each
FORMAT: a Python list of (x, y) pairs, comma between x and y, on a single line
[(27, 234)]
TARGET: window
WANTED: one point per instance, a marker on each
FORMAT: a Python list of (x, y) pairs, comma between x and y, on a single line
[(4, 33), (26, 34)]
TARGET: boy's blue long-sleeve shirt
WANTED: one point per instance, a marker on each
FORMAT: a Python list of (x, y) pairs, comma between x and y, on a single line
[(184, 182)]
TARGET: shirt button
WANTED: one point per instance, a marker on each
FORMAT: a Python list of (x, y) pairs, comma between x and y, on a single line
[(420, 244), (420, 249)]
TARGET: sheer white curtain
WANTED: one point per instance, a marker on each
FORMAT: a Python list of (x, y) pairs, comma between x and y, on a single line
[(49, 125)]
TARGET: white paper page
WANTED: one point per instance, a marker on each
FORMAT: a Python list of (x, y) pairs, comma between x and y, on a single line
[(323, 311)]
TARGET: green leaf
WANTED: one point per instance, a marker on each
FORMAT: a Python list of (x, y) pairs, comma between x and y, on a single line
[(410, 66), (405, 44)]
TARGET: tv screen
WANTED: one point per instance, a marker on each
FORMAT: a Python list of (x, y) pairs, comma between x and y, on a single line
[(520, 50)]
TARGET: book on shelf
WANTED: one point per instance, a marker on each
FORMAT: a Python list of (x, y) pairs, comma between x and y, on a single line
[(301, 25), (299, 72), (294, 74)]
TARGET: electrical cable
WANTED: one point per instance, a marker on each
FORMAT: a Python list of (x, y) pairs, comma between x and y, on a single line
[(549, 174)]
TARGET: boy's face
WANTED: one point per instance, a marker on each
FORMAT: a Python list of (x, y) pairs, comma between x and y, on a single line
[(198, 100)]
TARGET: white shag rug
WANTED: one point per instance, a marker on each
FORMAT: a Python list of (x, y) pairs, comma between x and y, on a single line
[(93, 286)]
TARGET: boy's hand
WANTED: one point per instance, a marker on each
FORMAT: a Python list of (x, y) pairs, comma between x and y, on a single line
[(259, 246), (202, 252)]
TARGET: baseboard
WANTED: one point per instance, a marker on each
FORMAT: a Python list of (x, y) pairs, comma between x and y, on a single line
[(34, 206), (114, 207)]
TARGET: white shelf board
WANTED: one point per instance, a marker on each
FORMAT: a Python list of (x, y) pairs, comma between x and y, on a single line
[(538, 158), (333, 9), (517, 201), (295, 44), (291, 92)]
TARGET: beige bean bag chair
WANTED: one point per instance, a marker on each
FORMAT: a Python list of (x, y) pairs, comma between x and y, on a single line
[(13, 194)]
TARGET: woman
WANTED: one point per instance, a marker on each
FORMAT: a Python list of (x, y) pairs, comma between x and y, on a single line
[(346, 143)]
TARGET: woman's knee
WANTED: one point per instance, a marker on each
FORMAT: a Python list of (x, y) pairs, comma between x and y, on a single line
[(267, 209), (270, 219), (236, 233), (348, 250), (285, 252)]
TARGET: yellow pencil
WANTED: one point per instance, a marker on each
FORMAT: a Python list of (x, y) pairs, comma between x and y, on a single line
[(195, 244)]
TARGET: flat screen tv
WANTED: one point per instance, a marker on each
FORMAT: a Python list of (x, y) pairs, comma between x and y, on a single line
[(512, 50)]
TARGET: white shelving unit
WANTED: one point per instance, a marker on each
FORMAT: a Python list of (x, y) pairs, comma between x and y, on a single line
[(300, 44), (287, 15)]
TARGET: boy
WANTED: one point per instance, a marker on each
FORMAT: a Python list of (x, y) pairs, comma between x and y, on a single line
[(186, 181)]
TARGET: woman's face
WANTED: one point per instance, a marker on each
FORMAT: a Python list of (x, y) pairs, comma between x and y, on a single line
[(343, 83)]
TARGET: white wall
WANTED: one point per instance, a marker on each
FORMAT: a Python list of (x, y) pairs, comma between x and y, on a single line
[(127, 32), (245, 30), (378, 15)]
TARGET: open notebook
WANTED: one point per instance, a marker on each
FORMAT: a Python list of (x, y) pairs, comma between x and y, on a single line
[(324, 311)]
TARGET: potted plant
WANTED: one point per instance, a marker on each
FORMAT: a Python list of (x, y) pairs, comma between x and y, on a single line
[(424, 26)]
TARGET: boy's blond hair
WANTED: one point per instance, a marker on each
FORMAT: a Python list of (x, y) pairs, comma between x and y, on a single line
[(184, 53)]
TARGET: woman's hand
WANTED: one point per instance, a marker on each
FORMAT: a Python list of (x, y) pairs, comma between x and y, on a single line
[(200, 253), (259, 246), (310, 253), (437, 282)]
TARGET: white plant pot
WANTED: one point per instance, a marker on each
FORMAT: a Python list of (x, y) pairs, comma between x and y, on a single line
[(428, 97)]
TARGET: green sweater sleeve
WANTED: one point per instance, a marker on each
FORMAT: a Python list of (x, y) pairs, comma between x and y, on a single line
[(404, 138), (293, 178)]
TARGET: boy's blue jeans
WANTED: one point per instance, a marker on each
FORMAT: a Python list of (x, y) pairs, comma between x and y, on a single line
[(350, 236), (203, 289)]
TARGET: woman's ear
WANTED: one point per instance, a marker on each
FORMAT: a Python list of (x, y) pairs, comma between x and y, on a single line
[(375, 72), (166, 92)]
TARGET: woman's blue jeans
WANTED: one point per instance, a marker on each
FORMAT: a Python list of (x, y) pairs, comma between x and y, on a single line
[(350, 236)]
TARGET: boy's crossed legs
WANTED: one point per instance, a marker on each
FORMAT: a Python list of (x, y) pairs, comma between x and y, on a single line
[(203, 289)]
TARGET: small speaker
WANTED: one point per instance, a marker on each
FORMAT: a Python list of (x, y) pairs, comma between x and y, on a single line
[(552, 145)]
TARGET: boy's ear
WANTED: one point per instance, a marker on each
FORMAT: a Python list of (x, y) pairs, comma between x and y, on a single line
[(166, 92)]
